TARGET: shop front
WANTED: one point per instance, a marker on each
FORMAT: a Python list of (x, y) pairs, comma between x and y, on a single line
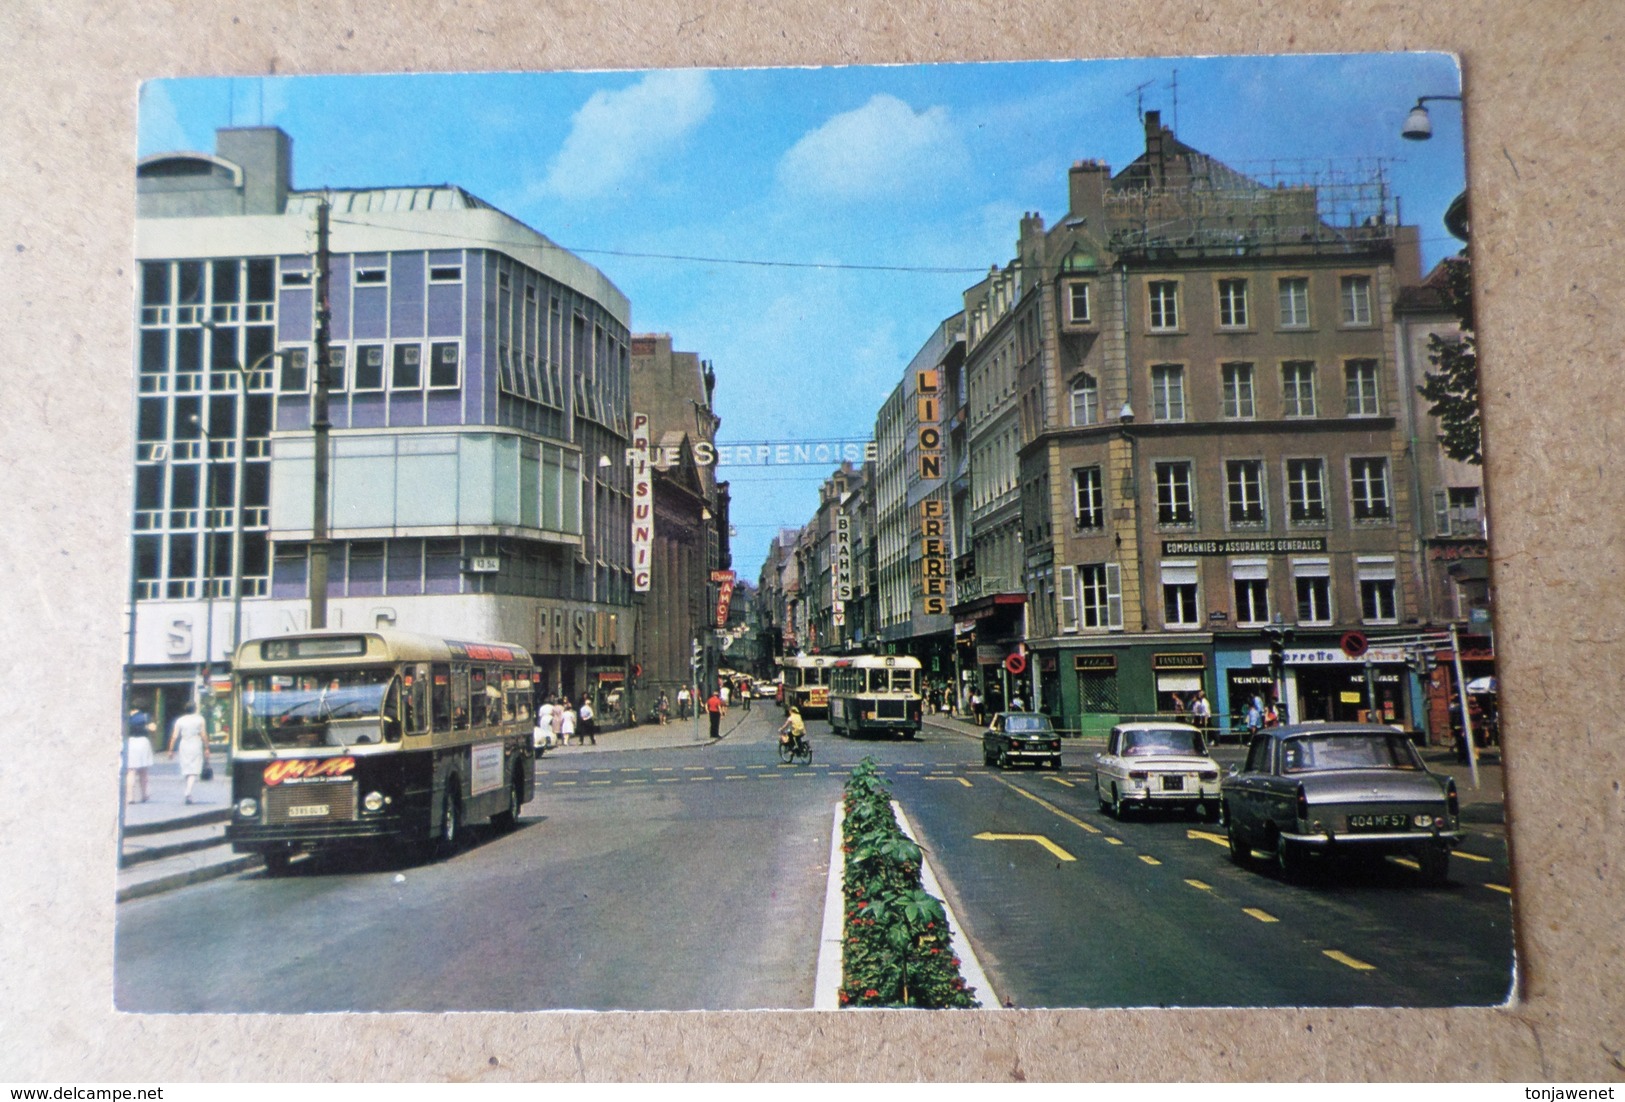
[(1328, 684), (992, 652)]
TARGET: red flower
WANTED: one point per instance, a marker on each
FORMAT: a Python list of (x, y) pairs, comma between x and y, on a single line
[(871, 994), (862, 905)]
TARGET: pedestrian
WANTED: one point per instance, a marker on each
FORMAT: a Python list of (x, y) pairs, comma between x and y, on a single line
[(682, 702), (715, 707), (976, 705), (745, 694), (137, 756), (544, 724), (1017, 704), (1201, 710), (722, 690), (190, 739), (567, 722), (1271, 716), (663, 709), (1255, 717), (589, 725), (557, 719)]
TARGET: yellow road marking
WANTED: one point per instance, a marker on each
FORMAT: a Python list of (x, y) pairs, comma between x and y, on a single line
[(628, 769), (1499, 888), (1406, 861), (635, 780), (564, 784), (1199, 886), (1058, 780), (600, 782), (662, 769), (701, 779), (1149, 860), (695, 768), (736, 777), (961, 780), (1208, 836), (1113, 841), (668, 780), (988, 836), (1343, 958), (1045, 804), (1262, 916), (1471, 857)]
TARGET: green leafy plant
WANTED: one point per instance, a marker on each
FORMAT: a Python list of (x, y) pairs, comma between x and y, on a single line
[(896, 945)]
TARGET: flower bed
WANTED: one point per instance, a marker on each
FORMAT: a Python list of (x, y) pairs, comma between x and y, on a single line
[(895, 938)]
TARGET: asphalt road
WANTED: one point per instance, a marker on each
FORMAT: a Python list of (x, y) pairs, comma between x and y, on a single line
[(694, 878)]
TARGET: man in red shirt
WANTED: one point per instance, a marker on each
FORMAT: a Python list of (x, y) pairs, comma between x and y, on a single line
[(715, 707)]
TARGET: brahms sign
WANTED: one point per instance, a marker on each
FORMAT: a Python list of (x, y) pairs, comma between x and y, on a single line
[(1314, 544)]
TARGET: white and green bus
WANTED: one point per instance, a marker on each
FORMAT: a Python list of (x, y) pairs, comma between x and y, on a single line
[(874, 693)]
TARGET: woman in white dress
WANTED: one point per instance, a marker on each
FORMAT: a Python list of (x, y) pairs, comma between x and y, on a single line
[(190, 737), (567, 723), (137, 758)]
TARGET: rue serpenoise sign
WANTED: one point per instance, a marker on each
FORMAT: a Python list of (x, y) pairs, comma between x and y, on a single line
[(1311, 544)]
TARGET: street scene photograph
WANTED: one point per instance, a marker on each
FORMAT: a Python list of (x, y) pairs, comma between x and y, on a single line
[(955, 536)]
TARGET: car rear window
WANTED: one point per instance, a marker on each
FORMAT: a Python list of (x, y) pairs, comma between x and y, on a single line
[(1138, 743), (1026, 723), (1330, 752)]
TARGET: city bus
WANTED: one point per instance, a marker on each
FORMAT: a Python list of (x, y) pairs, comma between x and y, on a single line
[(806, 684), (875, 693), (353, 737)]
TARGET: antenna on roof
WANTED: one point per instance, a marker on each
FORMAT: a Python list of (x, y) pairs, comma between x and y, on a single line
[(1139, 99), (1174, 84)]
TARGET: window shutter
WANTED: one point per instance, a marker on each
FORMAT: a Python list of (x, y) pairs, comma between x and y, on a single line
[(1441, 511), (1114, 596), (1066, 582)]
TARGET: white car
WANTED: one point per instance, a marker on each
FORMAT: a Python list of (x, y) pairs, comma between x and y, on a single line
[(1146, 764)]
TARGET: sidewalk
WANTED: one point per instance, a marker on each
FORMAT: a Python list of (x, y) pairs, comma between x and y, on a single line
[(169, 843)]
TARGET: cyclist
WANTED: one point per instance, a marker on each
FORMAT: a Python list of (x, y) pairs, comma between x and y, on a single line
[(794, 731)]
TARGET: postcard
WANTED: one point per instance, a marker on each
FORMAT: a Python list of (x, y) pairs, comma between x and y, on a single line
[(944, 536)]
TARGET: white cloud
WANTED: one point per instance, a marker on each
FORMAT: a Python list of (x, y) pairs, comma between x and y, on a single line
[(883, 148), (616, 133)]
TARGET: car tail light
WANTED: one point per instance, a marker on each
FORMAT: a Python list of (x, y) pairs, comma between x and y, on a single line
[(1210, 775), (1303, 803), (1451, 801), (1055, 745)]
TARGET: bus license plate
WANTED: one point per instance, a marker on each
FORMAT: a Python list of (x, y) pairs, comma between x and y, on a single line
[(309, 811)]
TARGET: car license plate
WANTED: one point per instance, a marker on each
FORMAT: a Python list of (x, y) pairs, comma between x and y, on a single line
[(1379, 822), (1173, 784), (309, 811)]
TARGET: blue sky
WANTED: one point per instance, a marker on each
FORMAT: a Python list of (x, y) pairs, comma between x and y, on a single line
[(914, 167)]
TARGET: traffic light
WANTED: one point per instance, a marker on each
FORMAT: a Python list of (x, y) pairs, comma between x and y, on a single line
[(1280, 637)]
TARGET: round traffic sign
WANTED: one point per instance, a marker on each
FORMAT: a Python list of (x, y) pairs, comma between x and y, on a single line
[(1354, 644), (1016, 663)]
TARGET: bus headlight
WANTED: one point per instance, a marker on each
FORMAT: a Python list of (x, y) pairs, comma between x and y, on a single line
[(373, 801), (248, 807)]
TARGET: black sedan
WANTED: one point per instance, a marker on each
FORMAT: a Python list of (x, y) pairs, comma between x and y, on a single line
[(1021, 736), (1315, 791)]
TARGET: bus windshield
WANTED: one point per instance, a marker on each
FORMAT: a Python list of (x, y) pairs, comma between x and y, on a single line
[(292, 709)]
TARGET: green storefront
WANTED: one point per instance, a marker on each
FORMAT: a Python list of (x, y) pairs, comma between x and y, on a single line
[(1099, 686)]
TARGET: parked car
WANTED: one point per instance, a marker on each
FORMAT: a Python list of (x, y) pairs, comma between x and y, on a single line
[(1340, 790), (766, 690), (1147, 764), (1021, 736)]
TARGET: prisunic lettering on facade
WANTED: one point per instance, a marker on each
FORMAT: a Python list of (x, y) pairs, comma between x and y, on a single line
[(643, 503)]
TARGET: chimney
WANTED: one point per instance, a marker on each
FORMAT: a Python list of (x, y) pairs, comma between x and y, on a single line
[(1156, 148), (1086, 191)]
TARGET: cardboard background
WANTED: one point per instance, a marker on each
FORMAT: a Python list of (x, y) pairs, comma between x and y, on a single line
[(1544, 132)]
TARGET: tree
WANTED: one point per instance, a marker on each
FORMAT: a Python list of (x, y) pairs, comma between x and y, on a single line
[(1453, 388)]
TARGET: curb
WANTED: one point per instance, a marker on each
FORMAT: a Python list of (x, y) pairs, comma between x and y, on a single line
[(827, 981), (170, 882)]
